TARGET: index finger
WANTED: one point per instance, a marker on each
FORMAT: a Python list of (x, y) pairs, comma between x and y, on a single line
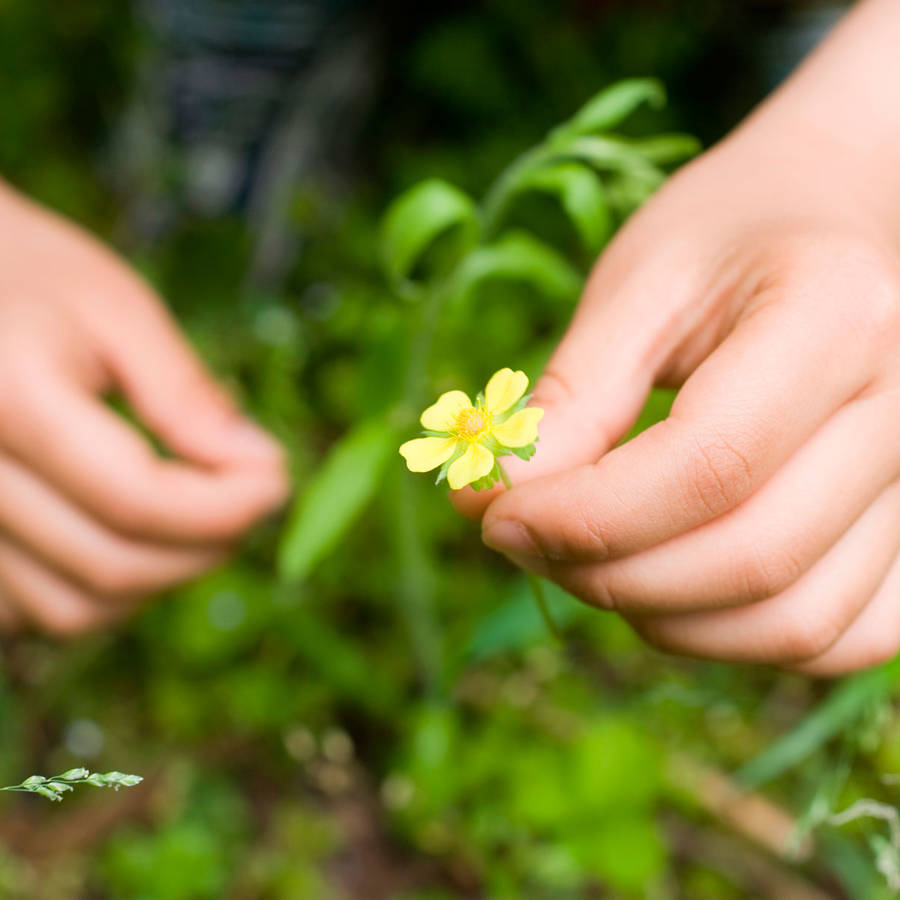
[(93, 456), (744, 411)]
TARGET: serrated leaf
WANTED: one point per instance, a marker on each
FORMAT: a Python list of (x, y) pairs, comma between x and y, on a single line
[(517, 256), (335, 497), (612, 105), (417, 218), (581, 195)]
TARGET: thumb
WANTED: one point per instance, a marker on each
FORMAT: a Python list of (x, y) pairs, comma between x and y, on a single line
[(173, 393), (597, 380)]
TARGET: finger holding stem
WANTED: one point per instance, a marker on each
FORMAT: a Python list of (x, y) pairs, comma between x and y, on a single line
[(534, 582), (463, 440)]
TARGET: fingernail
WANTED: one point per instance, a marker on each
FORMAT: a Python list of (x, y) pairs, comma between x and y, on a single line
[(250, 442), (510, 537)]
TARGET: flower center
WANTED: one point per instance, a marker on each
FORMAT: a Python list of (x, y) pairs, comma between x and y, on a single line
[(471, 423)]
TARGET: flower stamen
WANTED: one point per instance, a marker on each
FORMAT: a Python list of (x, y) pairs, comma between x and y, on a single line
[(472, 423)]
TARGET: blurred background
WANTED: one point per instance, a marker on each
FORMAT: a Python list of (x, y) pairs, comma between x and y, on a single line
[(391, 720)]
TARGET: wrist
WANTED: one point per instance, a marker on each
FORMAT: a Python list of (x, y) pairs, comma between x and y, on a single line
[(802, 170), (834, 126)]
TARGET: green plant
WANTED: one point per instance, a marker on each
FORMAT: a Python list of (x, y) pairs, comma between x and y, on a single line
[(439, 248), (486, 761), (57, 786)]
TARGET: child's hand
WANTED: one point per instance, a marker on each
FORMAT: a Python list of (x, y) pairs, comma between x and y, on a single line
[(91, 519), (761, 521)]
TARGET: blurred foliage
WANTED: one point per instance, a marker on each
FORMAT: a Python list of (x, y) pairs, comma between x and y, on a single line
[(390, 720)]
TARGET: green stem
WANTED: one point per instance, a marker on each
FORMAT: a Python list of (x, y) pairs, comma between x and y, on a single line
[(537, 589), (501, 191), (417, 594), (421, 341)]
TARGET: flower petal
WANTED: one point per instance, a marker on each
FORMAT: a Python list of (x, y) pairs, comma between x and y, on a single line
[(504, 390), (424, 454), (520, 429), (475, 463), (441, 416)]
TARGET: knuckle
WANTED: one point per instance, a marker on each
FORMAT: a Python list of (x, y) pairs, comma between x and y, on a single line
[(767, 572), (718, 474), (652, 631), (596, 537), (114, 577), (585, 583), (599, 594), (553, 388), (582, 532), (127, 511), (808, 636), (858, 271), (603, 598), (880, 314), (556, 390)]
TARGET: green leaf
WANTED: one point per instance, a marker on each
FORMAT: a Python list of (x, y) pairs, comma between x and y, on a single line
[(582, 196), (633, 176), (613, 154), (516, 624), (665, 149), (616, 768), (336, 496), (434, 747), (417, 218), (611, 106), (517, 256), (627, 852), (540, 795)]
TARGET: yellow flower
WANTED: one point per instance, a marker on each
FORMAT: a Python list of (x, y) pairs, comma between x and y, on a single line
[(465, 438)]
